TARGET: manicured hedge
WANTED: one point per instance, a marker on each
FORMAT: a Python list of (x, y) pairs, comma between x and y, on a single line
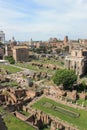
[(67, 112)]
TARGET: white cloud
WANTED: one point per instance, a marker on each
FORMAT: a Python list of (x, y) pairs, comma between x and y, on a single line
[(51, 17), (9, 14)]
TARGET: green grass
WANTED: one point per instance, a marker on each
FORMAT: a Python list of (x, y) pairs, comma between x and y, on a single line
[(80, 122), (60, 109), (24, 113), (10, 69), (13, 123), (81, 101), (50, 61), (36, 68), (10, 84), (66, 112), (42, 61)]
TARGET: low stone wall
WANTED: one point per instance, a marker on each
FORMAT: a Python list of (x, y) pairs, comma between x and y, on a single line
[(20, 116), (60, 100), (56, 120), (38, 119), (24, 118)]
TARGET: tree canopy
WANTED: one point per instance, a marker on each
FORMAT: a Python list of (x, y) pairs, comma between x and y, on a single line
[(59, 50), (65, 77), (10, 59)]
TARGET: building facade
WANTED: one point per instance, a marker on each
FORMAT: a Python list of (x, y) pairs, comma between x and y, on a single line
[(8, 50), (2, 37), (77, 61), (1, 53), (21, 53)]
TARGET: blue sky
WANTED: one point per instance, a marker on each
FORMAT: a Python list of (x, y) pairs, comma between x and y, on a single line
[(41, 19)]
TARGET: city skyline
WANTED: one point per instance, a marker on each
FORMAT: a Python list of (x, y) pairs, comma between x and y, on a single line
[(41, 19)]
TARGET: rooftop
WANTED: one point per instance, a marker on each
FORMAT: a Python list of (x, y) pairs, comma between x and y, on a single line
[(18, 47)]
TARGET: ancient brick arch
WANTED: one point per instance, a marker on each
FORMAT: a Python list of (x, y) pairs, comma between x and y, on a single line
[(11, 98)]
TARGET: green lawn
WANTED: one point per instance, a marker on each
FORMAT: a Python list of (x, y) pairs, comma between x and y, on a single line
[(13, 123), (11, 84), (50, 61), (36, 68), (24, 113), (80, 121), (41, 61), (80, 101), (10, 69)]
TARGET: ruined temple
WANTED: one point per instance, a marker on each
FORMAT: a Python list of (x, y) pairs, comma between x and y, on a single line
[(77, 61)]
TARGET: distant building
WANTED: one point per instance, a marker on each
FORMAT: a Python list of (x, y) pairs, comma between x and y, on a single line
[(9, 46), (77, 44), (2, 37), (20, 53), (31, 43), (65, 39), (53, 39), (74, 45), (77, 61), (57, 43), (83, 41), (1, 52), (39, 44), (13, 42), (8, 50)]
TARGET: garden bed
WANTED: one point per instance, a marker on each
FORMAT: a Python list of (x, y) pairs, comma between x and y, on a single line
[(61, 109), (52, 107), (67, 112)]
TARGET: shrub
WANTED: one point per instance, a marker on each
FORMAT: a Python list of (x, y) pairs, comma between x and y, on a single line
[(10, 59), (65, 77)]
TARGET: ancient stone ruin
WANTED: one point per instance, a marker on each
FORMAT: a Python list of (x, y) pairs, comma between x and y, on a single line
[(38, 119), (14, 99)]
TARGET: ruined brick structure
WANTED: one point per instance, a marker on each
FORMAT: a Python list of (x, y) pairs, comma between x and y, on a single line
[(1, 52), (16, 98), (39, 118), (72, 95), (77, 61), (77, 44), (2, 37), (20, 53)]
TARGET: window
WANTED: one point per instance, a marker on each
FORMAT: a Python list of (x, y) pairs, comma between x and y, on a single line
[(75, 53), (85, 53)]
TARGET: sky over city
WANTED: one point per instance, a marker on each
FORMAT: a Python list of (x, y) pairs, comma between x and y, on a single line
[(41, 19)]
